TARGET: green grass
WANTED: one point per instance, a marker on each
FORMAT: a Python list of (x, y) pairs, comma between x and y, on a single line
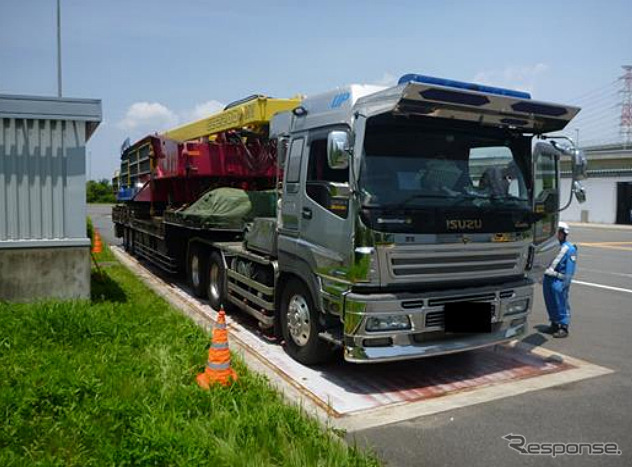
[(112, 382)]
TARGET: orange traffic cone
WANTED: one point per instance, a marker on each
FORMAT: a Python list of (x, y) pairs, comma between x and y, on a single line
[(218, 368), (97, 247)]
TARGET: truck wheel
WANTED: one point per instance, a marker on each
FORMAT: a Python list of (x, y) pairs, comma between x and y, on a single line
[(300, 325), (216, 281), (196, 267)]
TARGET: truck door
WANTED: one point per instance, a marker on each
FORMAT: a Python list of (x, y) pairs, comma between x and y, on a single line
[(546, 200), (290, 203), (325, 218)]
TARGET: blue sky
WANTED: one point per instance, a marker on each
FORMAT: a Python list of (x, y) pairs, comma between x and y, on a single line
[(156, 64)]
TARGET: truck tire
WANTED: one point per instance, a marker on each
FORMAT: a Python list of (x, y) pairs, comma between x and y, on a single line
[(216, 281), (196, 270), (300, 325)]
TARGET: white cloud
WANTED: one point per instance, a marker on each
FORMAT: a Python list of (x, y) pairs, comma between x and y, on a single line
[(523, 78), (148, 117), (203, 110)]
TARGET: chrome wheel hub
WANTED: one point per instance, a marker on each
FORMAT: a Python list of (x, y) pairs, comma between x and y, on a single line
[(298, 320), (214, 282), (195, 271)]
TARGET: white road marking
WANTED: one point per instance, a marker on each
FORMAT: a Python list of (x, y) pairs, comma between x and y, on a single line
[(622, 246), (622, 274), (601, 286)]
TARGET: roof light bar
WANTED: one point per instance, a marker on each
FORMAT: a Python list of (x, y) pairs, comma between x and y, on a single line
[(411, 77)]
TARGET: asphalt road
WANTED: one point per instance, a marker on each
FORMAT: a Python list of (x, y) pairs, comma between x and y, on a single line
[(592, 410), (101, 215)]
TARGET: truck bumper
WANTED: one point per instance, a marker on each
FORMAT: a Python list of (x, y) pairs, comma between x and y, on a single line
[(425, 336)]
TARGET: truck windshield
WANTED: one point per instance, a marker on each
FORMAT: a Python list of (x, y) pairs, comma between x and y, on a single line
[(412, 164)]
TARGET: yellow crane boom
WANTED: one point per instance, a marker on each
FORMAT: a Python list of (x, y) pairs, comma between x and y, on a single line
[(251, 113)]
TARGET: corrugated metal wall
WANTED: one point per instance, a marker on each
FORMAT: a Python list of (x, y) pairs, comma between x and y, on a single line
[(42, 181)]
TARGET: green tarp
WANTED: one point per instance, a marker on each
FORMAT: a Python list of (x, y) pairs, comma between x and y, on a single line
[(229, 208)]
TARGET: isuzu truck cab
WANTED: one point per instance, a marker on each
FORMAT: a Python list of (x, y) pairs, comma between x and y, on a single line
[(410, 221)]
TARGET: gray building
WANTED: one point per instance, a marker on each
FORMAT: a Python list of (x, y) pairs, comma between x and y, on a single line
[(608, 187), (44, 249)]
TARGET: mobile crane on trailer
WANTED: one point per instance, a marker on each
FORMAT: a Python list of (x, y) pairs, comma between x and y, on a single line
[(396, 222)]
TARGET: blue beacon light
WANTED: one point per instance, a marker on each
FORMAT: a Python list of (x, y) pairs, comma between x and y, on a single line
[(411, 77)]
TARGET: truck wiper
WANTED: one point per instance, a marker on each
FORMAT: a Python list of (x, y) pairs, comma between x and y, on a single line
[(467, 196), (504, 199), (494, 199)]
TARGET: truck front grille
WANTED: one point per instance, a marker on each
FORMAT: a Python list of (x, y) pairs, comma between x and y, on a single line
[(486, 297), (447, 263)]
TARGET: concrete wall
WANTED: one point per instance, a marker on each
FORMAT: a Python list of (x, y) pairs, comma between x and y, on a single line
[(28, 274), (601, 200)]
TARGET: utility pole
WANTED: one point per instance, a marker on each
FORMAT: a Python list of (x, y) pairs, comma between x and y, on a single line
[(58, 48)]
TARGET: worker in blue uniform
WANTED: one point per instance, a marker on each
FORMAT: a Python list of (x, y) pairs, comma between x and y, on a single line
[(557, 283)]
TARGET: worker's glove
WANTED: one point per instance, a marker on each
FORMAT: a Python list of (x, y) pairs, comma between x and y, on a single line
[(550, 272)]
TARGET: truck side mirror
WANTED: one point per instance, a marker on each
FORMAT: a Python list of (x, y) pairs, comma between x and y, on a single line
[(580, 191), (338, 150), (580, 164)]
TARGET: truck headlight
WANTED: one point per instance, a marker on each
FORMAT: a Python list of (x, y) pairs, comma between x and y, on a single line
[(518, 306), (388, 323)]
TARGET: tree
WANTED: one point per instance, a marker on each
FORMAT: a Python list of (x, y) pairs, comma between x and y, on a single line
[(99, 192)]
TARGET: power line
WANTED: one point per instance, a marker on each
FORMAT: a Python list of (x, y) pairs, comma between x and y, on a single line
[(610, 132), (597, 116), (598, 121), (601, 88), (611, 97), (594, 132), (604, 94), (611, 104), (599, 130)]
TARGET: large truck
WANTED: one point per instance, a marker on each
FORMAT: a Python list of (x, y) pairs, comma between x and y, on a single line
[(392, 222)]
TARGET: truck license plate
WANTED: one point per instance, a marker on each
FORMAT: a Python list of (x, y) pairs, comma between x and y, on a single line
[(470, 317)]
